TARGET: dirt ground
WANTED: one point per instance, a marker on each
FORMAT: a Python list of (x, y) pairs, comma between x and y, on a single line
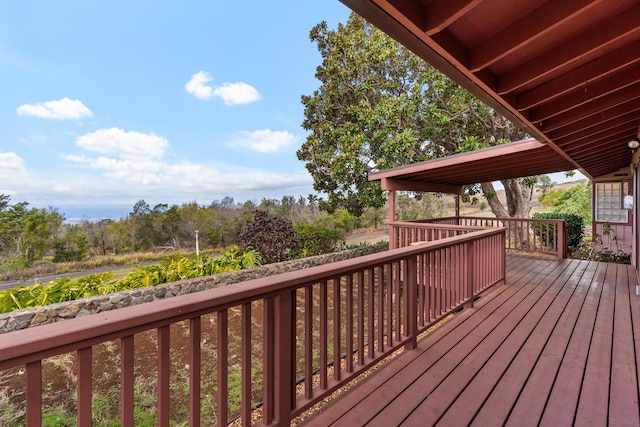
[(370, 237)]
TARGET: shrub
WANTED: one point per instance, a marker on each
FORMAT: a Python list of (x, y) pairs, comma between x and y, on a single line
[(573, 223), (272, 237), (177, 267), (316, 240)]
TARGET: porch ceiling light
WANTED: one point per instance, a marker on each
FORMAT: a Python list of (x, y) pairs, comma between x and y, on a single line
[(633, 144)]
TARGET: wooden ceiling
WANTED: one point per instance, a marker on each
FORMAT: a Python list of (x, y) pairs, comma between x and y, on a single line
[(565, 71)]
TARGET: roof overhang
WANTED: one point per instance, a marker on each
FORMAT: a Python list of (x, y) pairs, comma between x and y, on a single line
[(450, 174), (567, 72)]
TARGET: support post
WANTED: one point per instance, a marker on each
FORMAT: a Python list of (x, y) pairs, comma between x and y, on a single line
[(411, 295), (284, 387), (471, 274), (562, 239), (393, 230)]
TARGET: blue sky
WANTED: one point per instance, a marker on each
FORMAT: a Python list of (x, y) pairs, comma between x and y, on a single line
[(104, 103)]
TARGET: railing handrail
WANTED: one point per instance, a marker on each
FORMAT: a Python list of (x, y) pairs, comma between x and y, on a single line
[(435, 225), (32, 344), (554, 220)]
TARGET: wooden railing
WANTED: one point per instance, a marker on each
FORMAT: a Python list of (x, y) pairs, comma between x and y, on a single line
[(545, 236), (405, 233), (281, 343)]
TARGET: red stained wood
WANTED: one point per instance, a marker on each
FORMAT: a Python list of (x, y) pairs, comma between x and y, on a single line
[(126, 380), (164, 372), (555, 346), (84, 386)]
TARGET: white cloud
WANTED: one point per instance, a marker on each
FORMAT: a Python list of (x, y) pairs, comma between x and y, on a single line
[(230, 93), (13, 174), (237, 93), (10, 163), (197, 85), (126, 145), (264, 140), (64, 108)]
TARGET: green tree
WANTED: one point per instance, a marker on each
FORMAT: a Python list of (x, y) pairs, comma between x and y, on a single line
[(27, 234), (380, 106), (576, 200), (142, 226)]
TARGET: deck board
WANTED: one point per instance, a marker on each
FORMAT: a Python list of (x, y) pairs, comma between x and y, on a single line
[(556, 345), (518, 392)]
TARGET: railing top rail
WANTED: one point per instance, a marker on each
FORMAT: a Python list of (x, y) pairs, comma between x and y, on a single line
[(33, 344), (513, 219), (435, 225), (480, 218)]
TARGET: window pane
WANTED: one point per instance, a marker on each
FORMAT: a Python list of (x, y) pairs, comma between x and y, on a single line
[(609, 201)]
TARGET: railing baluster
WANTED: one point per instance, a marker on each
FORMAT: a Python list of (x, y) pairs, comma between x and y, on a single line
[(411, 330), (470, 273), (308, 341), (380, 304), (126, 381), (437, 284), (324, 332), (195, 360), (34, 393), (268, 387), (337, 329), (371, 333), (397, 304), (389, 301), (222, 414), (164, 369), (284, 349), (85, 380), (361, 328), (246, 363), (349, 322)]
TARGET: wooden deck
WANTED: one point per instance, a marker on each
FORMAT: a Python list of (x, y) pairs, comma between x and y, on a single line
[(556, 346)]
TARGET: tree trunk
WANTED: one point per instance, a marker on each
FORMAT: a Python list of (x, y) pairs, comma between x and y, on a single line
[(492, 199), (518, 199)]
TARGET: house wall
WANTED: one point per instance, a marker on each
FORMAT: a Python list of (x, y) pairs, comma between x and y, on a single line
[(619, 238)]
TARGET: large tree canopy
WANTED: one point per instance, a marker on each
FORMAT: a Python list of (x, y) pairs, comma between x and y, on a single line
[(380, 106)]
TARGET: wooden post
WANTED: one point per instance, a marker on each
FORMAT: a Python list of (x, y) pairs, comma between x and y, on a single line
[(411, 294), (457, 209), (471, 274), (284, 388), (562, 239), (393, 231)]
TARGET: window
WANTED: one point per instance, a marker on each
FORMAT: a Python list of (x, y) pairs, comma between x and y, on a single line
[(609, 205)]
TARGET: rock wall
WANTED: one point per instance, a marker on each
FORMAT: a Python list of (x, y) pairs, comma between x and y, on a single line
[(68, 310)]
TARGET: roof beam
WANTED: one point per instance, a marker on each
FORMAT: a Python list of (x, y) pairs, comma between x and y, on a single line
[(604, 103), (534, 25), (600, 68), (589, 126), (589, 93), (603, 138), (440, 13), (393, 184), (607, 145), (564, 55)]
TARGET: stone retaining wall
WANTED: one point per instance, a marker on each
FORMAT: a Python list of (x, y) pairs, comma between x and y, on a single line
[(68, 310)]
